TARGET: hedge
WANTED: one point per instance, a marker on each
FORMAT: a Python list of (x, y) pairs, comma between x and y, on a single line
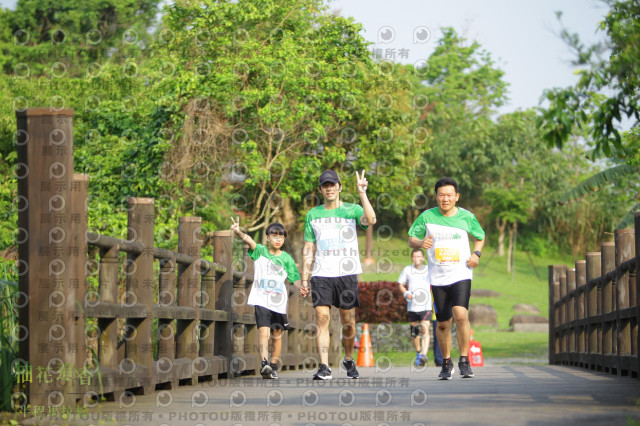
[(381, 301)]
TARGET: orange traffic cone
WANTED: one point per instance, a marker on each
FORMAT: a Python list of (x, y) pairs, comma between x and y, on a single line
[(475, 353), (365, 354)]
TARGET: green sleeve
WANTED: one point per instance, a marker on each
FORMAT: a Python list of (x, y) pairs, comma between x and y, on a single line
[(309, 235), (257, 252), (418, 229), (292, 272), (475, 229)]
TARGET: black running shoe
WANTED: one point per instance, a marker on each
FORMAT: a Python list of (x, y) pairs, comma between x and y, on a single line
[(465, 367), (324, 373), (447, 370), (274, 368), (350, 366), (266, 370)]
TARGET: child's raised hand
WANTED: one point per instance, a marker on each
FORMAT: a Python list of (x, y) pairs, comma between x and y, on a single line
[(235, 225)]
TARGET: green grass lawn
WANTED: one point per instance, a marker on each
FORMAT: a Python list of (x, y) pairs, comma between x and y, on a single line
[(528, 284)]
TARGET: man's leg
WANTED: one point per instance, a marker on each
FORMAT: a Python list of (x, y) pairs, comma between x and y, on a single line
[(443, 332), (348, 319), (463, 328), (437, 354), (323, 318)]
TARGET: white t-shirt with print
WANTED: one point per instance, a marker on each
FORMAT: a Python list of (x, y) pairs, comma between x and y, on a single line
[(416, 281)]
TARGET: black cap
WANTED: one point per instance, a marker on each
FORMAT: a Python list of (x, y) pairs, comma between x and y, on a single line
[(329, 176)]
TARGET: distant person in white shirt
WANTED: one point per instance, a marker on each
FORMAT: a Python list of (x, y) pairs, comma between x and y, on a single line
[(415, 287)]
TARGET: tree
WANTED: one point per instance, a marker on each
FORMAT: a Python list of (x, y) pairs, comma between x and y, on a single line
[(607, 89), (606, 93), (271, 93), (66, 37), (464, 88)]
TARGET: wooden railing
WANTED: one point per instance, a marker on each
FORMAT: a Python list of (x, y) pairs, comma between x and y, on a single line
[(138, 331), (594, 310)]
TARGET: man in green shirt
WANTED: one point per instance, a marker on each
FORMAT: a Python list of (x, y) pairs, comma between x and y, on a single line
[(444, 231), (331, 264)]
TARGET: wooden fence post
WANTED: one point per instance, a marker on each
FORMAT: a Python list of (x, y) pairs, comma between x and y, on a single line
[(624, 250), (223, 255), (139, 271), (593, 324), (44, 173), (608, 321), (78, 249), (581, 309), (554, 317), (167, 327), (189, 243), (108, 354), (571, 317)]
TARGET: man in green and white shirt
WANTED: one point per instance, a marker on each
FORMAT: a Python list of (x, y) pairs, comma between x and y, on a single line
[(444, 231), (331, 264)]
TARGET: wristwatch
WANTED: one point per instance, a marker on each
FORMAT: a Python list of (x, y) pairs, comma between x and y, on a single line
[(477, 253)]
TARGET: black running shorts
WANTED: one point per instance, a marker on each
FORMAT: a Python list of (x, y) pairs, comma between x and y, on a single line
[(447, 296), (268, 318), (341, 292), (419, 316)]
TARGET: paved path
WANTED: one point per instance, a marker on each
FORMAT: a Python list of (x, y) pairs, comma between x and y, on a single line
[(499, 394)]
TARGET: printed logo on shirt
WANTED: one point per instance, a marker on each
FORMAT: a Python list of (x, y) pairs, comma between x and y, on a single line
[(447, 235), (271, 285)]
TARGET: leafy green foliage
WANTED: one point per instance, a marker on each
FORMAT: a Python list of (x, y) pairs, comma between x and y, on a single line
[(272, 93), (607, 90), (464, 88), (71, 37)]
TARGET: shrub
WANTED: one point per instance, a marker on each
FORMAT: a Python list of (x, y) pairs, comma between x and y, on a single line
[(380, 301)]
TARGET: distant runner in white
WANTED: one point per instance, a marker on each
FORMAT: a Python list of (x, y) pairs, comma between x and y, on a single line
[(414, 285), (444, 231)]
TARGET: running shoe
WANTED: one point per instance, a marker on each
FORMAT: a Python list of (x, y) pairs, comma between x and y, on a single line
[(324, 373), (266, 370), (274, 368), (350, 366), (447, 370), (465, 367)]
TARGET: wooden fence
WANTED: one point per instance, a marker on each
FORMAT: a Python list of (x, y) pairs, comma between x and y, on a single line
[(139, 331), (594, 308)]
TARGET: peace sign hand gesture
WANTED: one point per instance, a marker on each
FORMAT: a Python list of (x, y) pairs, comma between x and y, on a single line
[(361, 183), (235, 225)]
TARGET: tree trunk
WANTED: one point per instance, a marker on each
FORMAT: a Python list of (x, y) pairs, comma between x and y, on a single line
[(501, 224), (295, 232), (510, 248)]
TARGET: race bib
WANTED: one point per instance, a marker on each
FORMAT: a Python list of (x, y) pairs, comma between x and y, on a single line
[(447, 256)]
